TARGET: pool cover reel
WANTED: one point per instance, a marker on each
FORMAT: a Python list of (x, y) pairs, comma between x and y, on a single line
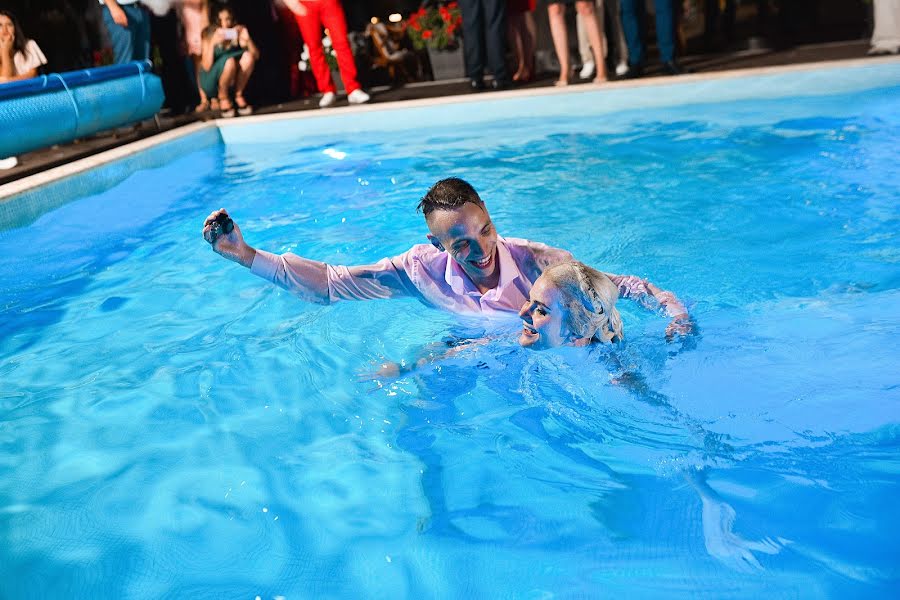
[(57, 108)]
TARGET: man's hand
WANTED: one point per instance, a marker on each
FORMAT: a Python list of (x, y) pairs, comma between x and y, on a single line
[(230, 245), (118, 15), (681, 325)]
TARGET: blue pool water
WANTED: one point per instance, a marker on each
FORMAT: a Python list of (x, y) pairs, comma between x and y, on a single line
[(172, 426)]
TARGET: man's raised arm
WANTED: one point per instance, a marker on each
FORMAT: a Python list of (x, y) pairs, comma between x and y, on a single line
[(310, 280), (652, 297)]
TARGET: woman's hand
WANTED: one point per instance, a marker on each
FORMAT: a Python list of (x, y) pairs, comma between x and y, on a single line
[(230, 245), (243, 36), (7, 49)]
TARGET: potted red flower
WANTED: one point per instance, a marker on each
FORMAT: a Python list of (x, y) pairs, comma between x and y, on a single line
[(437, 27)]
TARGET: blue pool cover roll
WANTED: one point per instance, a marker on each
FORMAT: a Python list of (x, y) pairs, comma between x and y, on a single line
[(57, 108)]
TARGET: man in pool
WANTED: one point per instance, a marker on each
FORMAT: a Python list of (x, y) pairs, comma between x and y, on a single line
[(467, 267)]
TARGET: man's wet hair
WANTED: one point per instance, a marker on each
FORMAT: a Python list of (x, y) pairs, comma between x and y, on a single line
[(448, 194)]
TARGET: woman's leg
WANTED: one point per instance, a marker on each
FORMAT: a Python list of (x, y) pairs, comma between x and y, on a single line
[(226, 81), (531, 28), (586, 9), (204, 101), (556, 12), (245, 70), (516, 24)]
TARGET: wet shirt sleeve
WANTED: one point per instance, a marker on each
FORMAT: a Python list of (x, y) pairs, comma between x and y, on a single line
[(648, 295), (319, 282)]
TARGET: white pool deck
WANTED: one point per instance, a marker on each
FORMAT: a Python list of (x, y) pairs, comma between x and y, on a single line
[(825, 78)]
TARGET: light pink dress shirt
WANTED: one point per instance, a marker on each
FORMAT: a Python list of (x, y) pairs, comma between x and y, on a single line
[(435, 279), (422, 272)]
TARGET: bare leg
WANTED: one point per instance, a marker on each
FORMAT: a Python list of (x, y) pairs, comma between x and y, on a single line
[(531, 27), (204, 101), (516, 24), (557, 14), (226, 81), (245, 70), (586, 9)]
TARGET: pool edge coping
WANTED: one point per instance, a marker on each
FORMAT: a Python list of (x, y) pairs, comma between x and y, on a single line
[(13, 189), (553, 91)]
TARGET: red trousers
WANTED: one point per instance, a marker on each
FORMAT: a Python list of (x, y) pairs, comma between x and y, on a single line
[(328, 14)]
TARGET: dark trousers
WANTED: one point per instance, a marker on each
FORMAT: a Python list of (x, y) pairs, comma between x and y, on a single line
[(484, 25), (633, 17)]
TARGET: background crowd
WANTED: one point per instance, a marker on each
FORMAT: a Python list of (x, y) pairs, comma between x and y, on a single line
[(228, 56)]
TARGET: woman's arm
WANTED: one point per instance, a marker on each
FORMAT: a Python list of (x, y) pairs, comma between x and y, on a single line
[(208, 49), (246, 42), (428, 355), (25, 75), (7, 60)]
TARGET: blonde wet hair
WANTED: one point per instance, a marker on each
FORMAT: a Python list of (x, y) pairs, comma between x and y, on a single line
[(590, 298)]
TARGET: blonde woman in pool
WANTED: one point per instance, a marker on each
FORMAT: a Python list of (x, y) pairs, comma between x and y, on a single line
[(570, 304)]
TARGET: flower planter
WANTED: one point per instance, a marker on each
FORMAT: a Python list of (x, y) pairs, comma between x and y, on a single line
[(447, 64)]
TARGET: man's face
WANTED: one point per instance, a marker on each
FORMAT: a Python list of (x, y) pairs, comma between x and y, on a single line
[(468, 234)]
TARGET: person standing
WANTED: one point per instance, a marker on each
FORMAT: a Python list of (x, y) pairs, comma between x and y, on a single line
[(312, 16), (194, 15), (886, 33), (128, 25), (556, 11), (521, 37), (616, 37), (633, 18), (484, 24)]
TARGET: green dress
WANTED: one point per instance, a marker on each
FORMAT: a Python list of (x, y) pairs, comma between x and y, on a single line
[(209, 80)]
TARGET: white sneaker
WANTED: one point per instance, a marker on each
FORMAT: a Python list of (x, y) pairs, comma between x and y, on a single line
[(358, 97), (327, 100), (587, 70), (621, 69), (8, 163)]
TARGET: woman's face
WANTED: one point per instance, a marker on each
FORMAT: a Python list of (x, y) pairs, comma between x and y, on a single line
[(226, 19), (544, 319), (7, 29)]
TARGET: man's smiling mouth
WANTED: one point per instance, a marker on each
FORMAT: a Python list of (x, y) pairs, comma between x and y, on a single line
[(484, 263)]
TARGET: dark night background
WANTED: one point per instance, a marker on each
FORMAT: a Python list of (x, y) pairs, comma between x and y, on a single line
[(69, 33)]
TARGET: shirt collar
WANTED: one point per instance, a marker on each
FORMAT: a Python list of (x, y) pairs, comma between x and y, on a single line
[(461, 284)]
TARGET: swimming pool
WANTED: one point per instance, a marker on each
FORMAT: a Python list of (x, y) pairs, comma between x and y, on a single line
[(173, 426)]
